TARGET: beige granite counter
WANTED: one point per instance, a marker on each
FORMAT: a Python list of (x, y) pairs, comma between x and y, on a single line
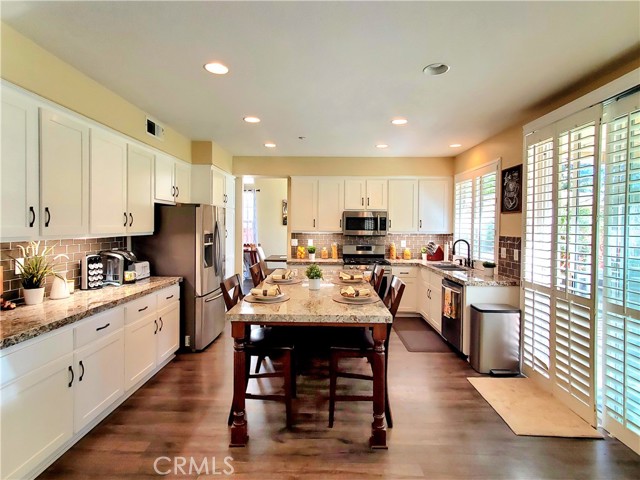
[(26, 322), (310, 307), (319, 261)]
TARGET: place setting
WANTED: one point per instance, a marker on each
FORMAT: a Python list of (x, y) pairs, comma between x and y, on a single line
[(355, 296), (350, 278), (266, 295), (283, 276)]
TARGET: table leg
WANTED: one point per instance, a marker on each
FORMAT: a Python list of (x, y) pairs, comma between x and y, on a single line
[(378, 429), (239, 435)]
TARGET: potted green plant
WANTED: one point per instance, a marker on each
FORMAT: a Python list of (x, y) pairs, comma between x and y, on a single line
[(423, 251), (311, 250), (314, 274), (489, 268), (34, 269)]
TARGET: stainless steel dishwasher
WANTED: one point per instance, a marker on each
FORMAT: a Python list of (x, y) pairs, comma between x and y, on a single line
[(452, 312)]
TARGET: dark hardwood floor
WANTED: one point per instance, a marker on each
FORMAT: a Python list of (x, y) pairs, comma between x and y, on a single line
[(443, 429)]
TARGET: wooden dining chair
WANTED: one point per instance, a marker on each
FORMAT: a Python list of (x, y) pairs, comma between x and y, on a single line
[(262, 342), (261, 260), (256, 274), (358, 343), (376, 278)]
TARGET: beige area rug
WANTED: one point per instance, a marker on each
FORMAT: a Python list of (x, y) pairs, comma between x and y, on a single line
[(529, 410)]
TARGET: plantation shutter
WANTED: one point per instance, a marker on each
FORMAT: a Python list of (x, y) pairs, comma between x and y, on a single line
[(621, 270), (484, 218), (560, 263), (463, 209)]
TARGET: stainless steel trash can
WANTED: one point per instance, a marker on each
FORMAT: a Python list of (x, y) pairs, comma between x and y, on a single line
[(495, 338)]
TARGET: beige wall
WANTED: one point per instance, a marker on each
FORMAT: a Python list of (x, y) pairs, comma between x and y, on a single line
[(31, 67), (508, 144), (348, 166), (210, 153), (271, 233)]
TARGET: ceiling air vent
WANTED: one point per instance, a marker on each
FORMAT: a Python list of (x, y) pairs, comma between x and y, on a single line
[(155, 129)]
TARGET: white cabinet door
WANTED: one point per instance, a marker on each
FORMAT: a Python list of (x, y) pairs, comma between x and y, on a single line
[(303, 206), (330, 204), (403, 206), (218, 187), (230, 191), (100, 377), (230, 242), (435, 209), (64, 175), (163, 174), (436, 301), (139, 190), (408, 275), (19, 196), (355, 192), (423, 301), (168, 335), (376, 195), (182, 182), (108, 184), (37, 416), (139, 349)]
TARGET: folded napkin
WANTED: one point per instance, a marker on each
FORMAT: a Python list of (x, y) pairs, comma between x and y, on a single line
[(266, 292), (355, 292), (351, 276), (281, 274)]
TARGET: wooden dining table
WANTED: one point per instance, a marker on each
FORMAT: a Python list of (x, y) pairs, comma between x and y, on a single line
[(311, 309)]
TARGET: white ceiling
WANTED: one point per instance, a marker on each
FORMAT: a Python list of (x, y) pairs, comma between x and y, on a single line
[(333, 72)]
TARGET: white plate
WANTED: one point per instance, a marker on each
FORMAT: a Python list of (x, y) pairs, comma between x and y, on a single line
[(283, 297), (355, 300)]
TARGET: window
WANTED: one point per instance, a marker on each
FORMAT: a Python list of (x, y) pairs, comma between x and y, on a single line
[(475, 211), (249, 223)]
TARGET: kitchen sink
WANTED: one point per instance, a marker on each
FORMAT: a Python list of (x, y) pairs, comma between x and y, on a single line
[(450, 267)]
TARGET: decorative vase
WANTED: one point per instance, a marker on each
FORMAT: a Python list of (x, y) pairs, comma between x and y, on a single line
[(33, 296), (314, 283), (312, 257), (59, 289)]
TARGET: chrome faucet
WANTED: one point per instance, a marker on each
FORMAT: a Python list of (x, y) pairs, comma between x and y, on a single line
[(467, 262)]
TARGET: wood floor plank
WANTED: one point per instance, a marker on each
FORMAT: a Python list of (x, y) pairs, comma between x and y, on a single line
[(443, 429)]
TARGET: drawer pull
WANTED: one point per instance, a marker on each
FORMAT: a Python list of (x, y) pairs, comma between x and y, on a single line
[(169, 297), (161, 324), (102, 327), (82, 374), (72, 376), (143, 309), (404, 273)]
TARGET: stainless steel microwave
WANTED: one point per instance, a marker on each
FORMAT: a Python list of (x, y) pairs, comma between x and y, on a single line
[(365, 222)]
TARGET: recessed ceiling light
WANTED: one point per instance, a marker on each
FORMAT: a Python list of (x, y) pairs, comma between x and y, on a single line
[(436, 69), (382, 145), (251, 119), (399, 121), (455, 145), (217, 68), (270, 145)]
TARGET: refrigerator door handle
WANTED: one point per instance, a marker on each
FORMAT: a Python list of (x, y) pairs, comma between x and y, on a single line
[(212, 298), (216, 250)]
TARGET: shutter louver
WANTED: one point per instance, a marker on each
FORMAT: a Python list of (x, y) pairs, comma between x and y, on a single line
[(464, 209), (537, 312), (484, 218)]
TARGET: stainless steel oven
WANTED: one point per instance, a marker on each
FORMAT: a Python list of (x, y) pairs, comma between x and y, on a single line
[(452, 313), (365, 222)]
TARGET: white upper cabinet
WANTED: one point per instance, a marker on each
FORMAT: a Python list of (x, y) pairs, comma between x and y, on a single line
[(64, 175), (230, 191), (365, 194), (303, 206), (435, 208), (164, 186), (182, 177), (212, 186), (403, 206), (219, 186), (108, 183), (19, 195), (139, 190), (330, 204)]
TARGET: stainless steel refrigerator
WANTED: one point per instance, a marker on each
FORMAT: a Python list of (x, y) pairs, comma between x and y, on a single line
[(188, 241)]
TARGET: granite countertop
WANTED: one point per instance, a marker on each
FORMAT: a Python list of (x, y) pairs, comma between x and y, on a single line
[(319, 261), (26, 322), (310, 306)]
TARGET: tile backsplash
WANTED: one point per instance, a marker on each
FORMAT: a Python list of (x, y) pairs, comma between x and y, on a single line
[(509, 266), (414, 241), (75, 249)]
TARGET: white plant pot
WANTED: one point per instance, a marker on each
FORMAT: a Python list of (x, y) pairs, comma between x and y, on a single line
[(312, 256), (424, 256), (314, 283), (488, 272), (33, 296)]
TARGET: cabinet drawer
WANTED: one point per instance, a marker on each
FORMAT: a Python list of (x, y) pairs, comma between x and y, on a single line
[(99, 326), (168, 295), (139, 308), (404, 272), (34, 354)]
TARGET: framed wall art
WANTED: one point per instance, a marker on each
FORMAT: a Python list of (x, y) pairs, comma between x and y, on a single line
[(511, 190)]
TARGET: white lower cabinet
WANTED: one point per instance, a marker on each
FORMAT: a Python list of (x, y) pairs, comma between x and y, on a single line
[(53, 388), (408, 275), (430, 297), (423, 302)]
